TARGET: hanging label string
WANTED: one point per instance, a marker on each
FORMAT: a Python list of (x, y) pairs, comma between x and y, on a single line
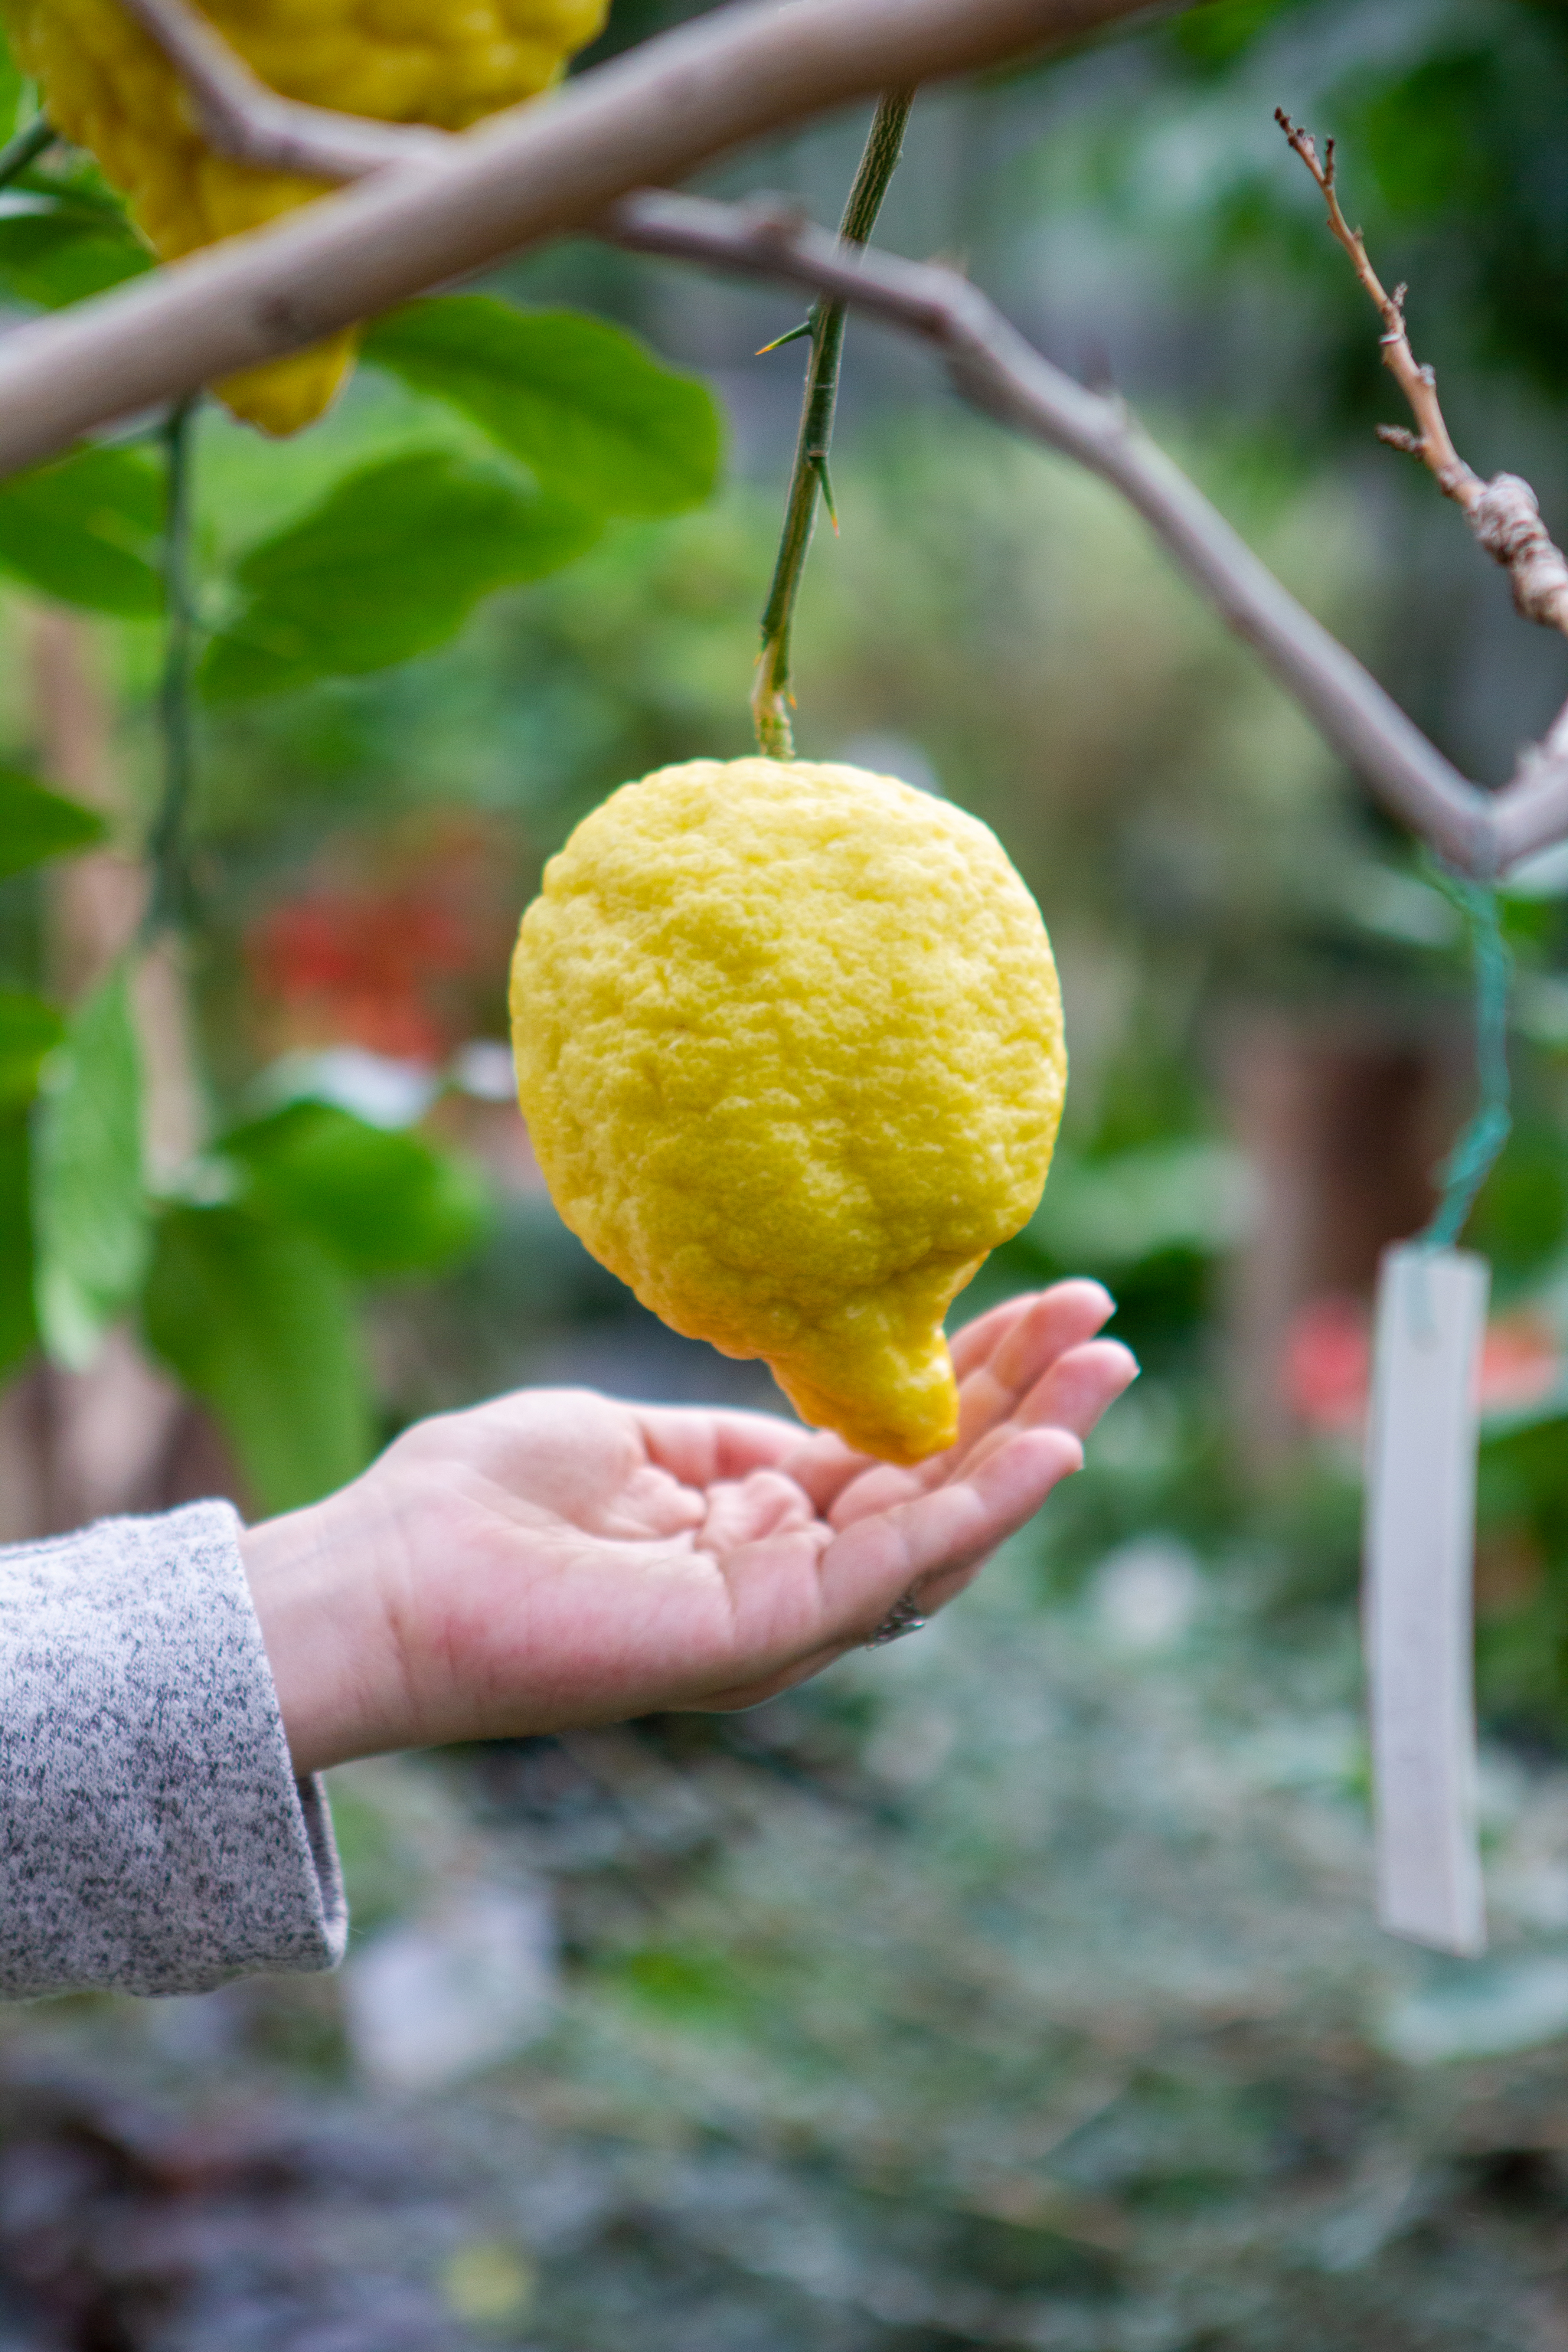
[(1475, 1154)]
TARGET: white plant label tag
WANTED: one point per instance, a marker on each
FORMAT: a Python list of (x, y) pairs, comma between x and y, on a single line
[(1419, 1559)]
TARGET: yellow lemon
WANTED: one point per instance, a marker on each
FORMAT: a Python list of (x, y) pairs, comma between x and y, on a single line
[(789, 1046), (107, 86)]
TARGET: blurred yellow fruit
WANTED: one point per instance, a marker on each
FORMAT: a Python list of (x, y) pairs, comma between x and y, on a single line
[(108, 87), (789, 1046)]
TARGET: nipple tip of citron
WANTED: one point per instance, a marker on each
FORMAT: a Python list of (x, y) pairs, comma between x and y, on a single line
[(893, 1428), (789, 1044)]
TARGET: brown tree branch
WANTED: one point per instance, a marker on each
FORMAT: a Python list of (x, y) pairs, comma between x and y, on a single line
[(535, 171), (279, 272), (1503, 513), (1534, 809), (239, 116)]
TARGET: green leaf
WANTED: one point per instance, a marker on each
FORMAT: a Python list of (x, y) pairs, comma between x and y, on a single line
[(18, 1322), (389, 564), (1220, 30), (89, 1208), (1421, 138), (256, 1321), (578, 401), (36, 823), (52, 254), (30, 1029), (381, 1203), (1166, 1196), (88, 531)]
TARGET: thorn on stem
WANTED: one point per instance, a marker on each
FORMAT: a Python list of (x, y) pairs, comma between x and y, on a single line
[(1399, 437), (819, 467), (779, 341)]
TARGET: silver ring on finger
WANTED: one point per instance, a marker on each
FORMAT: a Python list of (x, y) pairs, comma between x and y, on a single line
[(904, 1617)]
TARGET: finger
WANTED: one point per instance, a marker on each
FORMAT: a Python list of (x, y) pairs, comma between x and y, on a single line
[(783, 1678), (932, 1546), (1057, 1319), (1053, 1318), (997, 1357), (1043, 1327), (872, 1563), (699, 1445), (943, 1583), (1053, 1321), (972, 1342), (822, 1466), (1078, 1387)]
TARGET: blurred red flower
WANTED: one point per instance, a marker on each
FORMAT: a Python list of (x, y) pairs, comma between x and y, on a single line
[(405, 960), (1328, 1363)]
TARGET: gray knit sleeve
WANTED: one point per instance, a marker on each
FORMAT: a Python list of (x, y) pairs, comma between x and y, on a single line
[(152, 1835)]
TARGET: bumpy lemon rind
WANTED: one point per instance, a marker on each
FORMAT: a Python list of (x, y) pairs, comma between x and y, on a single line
[(788, 1040), (108, 87)]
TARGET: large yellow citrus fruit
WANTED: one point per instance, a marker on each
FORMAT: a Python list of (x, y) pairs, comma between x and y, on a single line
[(108, 87), (789, 1046)]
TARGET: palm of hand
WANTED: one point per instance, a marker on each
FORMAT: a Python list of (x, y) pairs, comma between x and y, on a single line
[(557, 1557)]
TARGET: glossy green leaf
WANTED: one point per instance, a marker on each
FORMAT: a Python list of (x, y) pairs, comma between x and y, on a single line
[(52, 254), (255, 1320), (577, 400), (36, 823), (89, 1208), (382, 1204), (86, 530), (30, 1029), (389, 564), (18, 1322)]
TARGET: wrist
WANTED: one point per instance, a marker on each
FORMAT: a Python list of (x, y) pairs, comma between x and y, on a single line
[(325, 1633)]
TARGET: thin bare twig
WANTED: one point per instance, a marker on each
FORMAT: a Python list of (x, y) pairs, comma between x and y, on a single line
[(1430, 442), (1503, 513)]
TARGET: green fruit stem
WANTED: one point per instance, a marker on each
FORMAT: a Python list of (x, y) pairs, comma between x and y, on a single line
[(771, 698)]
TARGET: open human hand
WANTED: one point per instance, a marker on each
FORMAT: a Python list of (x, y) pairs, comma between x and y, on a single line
[(557, 1558)]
